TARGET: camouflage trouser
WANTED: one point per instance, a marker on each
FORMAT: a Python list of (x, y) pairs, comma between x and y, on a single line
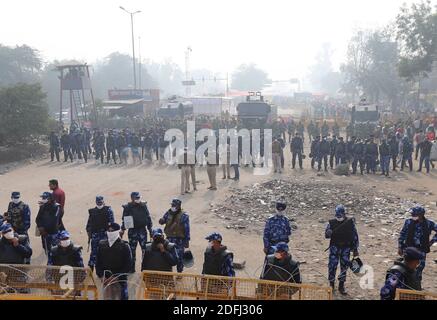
[(49, 241), (337, 255), (96, 237), (24, 233), (420, 267), (180, 248), (136, 236)]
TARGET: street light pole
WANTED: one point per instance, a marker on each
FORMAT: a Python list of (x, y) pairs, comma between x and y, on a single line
[(133, 43)]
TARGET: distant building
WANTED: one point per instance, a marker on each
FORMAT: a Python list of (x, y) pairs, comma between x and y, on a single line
[(129, 103)]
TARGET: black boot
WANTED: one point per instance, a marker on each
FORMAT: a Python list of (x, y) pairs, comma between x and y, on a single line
[(332, 285), (341, 288)]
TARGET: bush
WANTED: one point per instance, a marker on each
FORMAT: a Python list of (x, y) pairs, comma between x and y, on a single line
[(23, 113)]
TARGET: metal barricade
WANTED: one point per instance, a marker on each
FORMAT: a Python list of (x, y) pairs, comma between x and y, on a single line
[(402, 294), (29, 282), (182, 286)]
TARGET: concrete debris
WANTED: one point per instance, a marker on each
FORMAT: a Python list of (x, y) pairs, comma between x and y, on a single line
[(250, 207)]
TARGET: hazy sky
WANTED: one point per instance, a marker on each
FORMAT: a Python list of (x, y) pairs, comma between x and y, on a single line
[(281, 36)]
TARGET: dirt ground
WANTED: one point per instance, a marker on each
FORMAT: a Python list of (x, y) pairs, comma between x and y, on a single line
[(159, 184)]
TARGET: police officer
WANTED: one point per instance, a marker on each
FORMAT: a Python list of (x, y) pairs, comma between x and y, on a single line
[(110, 147), (114, 261), (54, 146), (324, 149), (135, 145), (66, 146), (403, 274), (47, 221), (394, 150), (358, 157), (99, 146), (280, 266), (218, 260), (160, 254), (385, 156), (296, 147), (81, 145), (18, 214), (314, 151), (340, 152), (66, 253), (371, 151), (416, 233), (407, 150), (344, 239), (177, 229), (136, 212), (332, 145), (98, 220), (14, 248), (277, 228)]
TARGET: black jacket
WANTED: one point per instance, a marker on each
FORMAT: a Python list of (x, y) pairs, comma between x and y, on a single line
[(113, 260)]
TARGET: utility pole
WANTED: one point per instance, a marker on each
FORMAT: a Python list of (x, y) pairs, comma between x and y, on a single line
[(187, 71), (133, 42), (139, 63)]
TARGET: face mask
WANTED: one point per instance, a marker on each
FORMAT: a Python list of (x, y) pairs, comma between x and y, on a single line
[(415, 218), (278, 255), (100, 206), (279, 212), (174, 209), (9, 235), (16, 201), (137, 200), (339, 219), (44, 201), (112, 236), (65, 243)]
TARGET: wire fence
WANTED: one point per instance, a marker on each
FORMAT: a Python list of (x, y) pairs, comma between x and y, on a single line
[(29, 282), (402, 294), (165, 285)]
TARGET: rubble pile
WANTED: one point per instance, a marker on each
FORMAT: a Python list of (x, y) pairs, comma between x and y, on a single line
[(249, 208)]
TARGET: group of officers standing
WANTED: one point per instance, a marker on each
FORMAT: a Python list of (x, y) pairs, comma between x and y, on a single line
[(113, 258), (414, 244)]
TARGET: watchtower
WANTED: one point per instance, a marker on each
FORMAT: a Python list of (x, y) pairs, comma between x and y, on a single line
[(75, 78)]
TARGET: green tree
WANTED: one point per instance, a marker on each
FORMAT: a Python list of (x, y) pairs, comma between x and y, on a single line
[(23, 113), (417, 33), (371, 67), (248, 77), (19, 64)]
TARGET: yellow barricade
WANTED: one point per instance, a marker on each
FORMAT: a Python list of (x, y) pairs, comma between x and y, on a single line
[(402, 294), (182, 286), (29, 282)]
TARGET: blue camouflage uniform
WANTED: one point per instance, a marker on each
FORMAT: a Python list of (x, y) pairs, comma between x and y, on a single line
[(180, 242), (400, 276), (277, 229), (96, 227), (18, 215), (227, 268), (72, 253), (142, 223), (418, 239), (340, 247)]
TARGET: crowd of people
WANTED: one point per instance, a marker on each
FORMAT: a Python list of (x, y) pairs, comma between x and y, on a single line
[(163, 249)]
